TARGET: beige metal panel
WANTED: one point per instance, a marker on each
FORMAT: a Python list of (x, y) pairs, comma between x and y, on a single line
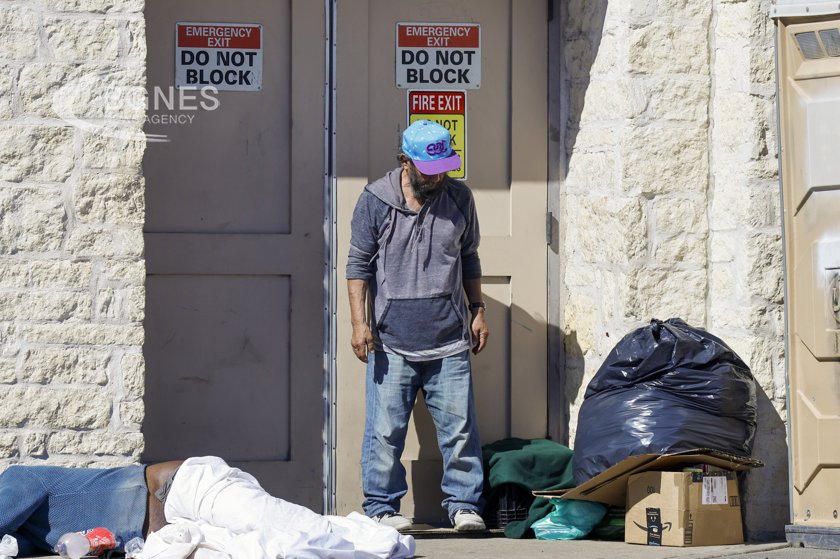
[(815, 395), (351, 160), (219, 340), (817, 322), (173, 253), (813, 140), (235, 249), (507, 145), (529, 120), (809, 119), (491, 389), (224, 143)]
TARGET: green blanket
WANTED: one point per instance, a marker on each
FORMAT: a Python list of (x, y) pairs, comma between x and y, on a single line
[(532, 465)]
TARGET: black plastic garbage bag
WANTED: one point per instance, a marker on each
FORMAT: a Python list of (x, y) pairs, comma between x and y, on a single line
[(667, 387)]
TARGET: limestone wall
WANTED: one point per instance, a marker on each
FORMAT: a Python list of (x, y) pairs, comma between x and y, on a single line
[(72, 75), (671, 197)]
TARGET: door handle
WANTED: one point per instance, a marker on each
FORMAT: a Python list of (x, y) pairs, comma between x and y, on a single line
[(834, 290)]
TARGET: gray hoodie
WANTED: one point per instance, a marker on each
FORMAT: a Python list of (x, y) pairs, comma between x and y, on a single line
[(414, 264)]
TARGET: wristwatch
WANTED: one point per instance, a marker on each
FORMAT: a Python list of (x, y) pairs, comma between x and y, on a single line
[(478, 305)]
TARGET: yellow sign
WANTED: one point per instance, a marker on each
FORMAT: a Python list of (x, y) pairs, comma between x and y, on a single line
[(449, 109)]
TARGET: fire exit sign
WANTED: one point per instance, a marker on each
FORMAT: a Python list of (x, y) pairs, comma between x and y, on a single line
[(449, 109)]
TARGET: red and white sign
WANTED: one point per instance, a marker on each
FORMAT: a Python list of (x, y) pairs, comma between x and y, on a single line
[(438, 55), (437, 102), (227, 56)]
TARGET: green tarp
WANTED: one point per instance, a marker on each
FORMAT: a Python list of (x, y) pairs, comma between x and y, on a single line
[(531, 465)]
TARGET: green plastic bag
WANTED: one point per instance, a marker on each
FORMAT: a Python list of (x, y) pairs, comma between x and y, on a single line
[(570, 520)]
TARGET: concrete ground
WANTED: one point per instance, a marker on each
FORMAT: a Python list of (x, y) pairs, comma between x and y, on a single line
[(497, 546), (500, 547), (445, 543)]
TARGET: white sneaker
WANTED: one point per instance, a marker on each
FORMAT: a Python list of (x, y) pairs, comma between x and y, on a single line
[(466, 520), (393, 519)]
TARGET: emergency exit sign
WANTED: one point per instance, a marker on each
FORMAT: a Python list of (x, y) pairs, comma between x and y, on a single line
[(438, 56), (449, 109), (227, 56)]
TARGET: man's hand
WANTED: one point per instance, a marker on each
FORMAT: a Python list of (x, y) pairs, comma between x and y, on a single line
[(362, 342), (480, 333), (361, 339)]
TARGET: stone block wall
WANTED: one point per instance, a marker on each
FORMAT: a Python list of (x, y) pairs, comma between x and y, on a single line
[(72, 105), (671, 197), (746, 287)]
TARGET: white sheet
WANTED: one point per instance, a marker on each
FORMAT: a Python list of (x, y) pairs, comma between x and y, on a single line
[(219, 512)]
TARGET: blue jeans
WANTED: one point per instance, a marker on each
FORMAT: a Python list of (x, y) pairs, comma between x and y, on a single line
[(391, 390), (40, 503)]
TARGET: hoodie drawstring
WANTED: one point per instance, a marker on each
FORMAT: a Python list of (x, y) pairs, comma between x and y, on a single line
[(418, 224), (392, 226), (429, 244)]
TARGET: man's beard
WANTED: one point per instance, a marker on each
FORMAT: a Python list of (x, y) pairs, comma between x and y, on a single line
[(423, 190)]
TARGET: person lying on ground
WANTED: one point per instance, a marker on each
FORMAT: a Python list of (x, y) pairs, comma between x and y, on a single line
[(179, 507)]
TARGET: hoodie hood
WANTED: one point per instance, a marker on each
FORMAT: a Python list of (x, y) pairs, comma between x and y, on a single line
[(389, 190)]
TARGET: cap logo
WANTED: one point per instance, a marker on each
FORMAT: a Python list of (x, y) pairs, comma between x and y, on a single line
[(436, 148), (429, 146)]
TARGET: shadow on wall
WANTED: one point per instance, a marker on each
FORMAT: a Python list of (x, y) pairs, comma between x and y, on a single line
[(579, 42), (574, 373), (582, 32), (766, 490), (426, 473)]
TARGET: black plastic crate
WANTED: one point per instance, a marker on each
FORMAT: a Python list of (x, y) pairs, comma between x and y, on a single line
[(510, 503)]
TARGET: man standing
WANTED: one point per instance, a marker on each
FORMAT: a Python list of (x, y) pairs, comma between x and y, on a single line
[(413, 256)]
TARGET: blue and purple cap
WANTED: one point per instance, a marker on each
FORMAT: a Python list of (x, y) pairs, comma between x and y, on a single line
[(427, 144)]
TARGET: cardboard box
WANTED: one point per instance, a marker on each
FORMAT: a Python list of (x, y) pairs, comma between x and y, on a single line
[(610, 486), (683, 509)]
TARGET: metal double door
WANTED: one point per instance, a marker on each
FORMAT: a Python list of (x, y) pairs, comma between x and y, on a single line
[(248, 208)]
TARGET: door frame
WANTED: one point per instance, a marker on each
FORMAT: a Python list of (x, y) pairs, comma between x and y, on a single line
[(330, 262), (558, 108)]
